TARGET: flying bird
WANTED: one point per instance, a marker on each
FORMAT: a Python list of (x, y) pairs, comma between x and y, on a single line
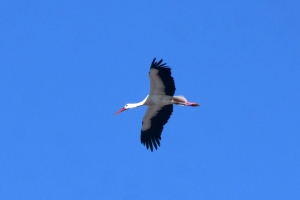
[(160, 104)]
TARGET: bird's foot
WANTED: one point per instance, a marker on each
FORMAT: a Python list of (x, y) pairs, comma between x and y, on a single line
[(194, 104)]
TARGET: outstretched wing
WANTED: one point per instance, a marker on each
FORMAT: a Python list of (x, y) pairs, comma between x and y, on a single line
[(153, 123), (161, 81)]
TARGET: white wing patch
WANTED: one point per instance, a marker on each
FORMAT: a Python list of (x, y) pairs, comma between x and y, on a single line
[(156, 84), (150, 113)]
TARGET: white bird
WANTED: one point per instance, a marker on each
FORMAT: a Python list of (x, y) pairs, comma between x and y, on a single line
[(160, 104)]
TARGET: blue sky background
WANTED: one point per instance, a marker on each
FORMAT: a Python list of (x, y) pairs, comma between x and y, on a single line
[(66, 67)]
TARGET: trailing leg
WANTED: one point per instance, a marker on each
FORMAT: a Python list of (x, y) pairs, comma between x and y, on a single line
[(182, 101), (194, 104)]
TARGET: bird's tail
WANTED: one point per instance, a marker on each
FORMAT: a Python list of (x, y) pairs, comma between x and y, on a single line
[(182, 101)]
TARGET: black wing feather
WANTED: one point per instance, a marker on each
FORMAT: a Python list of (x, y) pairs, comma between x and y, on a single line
[(165, 75), (152, 136)]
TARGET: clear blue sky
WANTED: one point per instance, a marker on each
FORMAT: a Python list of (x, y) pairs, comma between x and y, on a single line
[(66, 67)]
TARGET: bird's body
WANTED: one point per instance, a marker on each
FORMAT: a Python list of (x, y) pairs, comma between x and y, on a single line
[(158, 99), (160, 104)]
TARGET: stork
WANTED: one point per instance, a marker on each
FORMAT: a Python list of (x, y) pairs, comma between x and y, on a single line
[(160, 104)]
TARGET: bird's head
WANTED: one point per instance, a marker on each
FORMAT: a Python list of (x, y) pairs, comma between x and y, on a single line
[(126, 107)]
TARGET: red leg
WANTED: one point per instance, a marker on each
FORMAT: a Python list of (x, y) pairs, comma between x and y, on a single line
[(194, 104)]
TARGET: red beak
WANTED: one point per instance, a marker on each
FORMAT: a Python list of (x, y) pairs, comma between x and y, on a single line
[(122, 109)]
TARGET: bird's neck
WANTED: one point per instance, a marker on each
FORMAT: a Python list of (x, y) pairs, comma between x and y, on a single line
[(140, 103)]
